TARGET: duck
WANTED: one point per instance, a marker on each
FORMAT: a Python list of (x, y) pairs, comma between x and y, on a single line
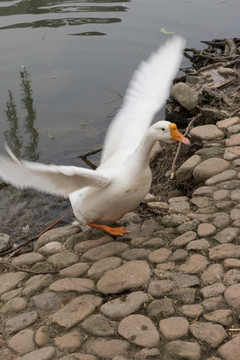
[(100, 197)]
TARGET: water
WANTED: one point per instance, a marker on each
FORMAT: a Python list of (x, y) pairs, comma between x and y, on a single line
[(64, 62)]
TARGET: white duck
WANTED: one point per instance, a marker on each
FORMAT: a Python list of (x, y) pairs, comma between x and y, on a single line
[(123, 178)]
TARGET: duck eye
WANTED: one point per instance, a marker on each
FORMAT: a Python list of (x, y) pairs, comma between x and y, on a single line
[(162, 129)]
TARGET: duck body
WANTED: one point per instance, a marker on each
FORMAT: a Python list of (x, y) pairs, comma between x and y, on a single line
[(123, 177)]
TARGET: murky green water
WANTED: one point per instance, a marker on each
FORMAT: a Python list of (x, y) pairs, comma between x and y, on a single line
[(62, 63)]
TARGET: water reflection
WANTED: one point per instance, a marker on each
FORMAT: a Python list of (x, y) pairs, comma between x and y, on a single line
[(58, 7), (13, 136)]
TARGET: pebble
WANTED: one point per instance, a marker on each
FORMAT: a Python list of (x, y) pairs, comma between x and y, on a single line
[(75, 270), (22, 342), (73, 284), (63, 260), (98, 325), (158, 288), (227, 235), (20, 322), (184, 239), (139, 330), (201, 244), (206, 229), (192, 311), (69, 342), (133, 274), (212, 334), (209, 168), (222, 316), (206, 132), (45, 353), (105, 250), (185, 172), (231, 349), (224, 251), (161, 308), (9, 281), (51, 248), (160, 255), (174, 327), (183, 350), (124, 305), (46, 301), (224, 176), (232, 296), (194, 264), (16, 304), (107, 349), (213, 290)]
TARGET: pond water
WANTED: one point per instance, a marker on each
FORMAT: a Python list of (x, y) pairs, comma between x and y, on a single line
[(64, 64)]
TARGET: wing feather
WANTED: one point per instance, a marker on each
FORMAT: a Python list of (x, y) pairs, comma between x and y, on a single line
[(146, 94)]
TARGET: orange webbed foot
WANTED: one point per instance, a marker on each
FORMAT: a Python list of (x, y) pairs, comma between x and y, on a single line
[(110, 230)]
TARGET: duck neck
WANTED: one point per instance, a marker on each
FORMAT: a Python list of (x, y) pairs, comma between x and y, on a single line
[(143, 151)]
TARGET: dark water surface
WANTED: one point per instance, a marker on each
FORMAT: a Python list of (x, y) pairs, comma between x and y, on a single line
[(62, 63)]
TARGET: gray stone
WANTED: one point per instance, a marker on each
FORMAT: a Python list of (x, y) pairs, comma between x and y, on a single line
[(4, 241), (160, 255), (222, 316), (75, 270), (210, 152), (224, 176), (73, 284), (193, 311), (174, 327), (103, 265), (106, 250), (135, 254), (10, 280), (22, 342), (161, 308), (16, 304), (69, 342), (98, 325), (185, 95), (133, 274), (83, 245), (183, 350), (46, 301), (232, 296), (221, 220), (224, 124), (63, 260), (60, 234), (220, 195), (184, 239), (51, 248), (200, 244), (224, 251), (231, 349), (203, 191), (185, 172), (107, 349), (194, 264), (20, 322), (36, 283), (191, 225), (173, 220), (213, 290), (45, 353), (139, 330), (123, 306), (201, 201), (206, 132), (209, 168), (76, 310), (234, 140), (206, 229), (159, 288), (212, 334), (213, 274), (227, 235), (231, 153)]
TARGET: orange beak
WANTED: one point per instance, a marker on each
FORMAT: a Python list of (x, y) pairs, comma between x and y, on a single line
[(175, 134)]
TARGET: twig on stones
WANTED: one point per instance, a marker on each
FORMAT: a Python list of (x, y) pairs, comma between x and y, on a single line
[(7, 264), (179, 146)]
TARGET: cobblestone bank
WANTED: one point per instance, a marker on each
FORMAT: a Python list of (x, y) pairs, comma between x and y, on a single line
[(168, 290)]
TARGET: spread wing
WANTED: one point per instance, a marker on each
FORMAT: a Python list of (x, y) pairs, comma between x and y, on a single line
[(53, 179), (146, 94)]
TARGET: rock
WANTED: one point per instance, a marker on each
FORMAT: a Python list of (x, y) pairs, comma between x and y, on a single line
[(63, 259), (11, 294), (184, 239), (10, 280), (209, 168), (36, 283), (133, 274), (231, 349), (201, 201), (185, 280), (235, 214), (179, 205), (193, 311), (203, 191), (125, 305), (232, 296), (173, 220), (191, 225), (206, 133), (4, 241), (160, 309), (185, 95), (210, 152), (20, 322), (103, 265), (185, 172), (222, 316), (22, 342), (206, 229), (179, 255), (47, 301), (213, 274), (227, 235), (174, 327), (231, 153), (41, 336), (224, 176), (45, 353), (75, 270), (183, 350), (76, 310), (86, 245), (231, 277), (185, 295), (16, 304), (143, 354), (213, 290), (107, 349), (231, 263), (81, 356), (160, 255), (69, 342), (221, 220), (98, 325), (224, 251), (212, 334), (158, 288), (214, 303), (139, 330), (224, 124), (51, 248), (59, 234), (73, 284), (234, 140), (135, 254), (110, 249), (194, 264), (220, 195), (201, 244)]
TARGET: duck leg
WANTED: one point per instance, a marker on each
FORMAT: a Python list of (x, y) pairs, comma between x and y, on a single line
[(112, 231)]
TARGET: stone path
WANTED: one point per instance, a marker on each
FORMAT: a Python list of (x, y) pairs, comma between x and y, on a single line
[(168, 290)]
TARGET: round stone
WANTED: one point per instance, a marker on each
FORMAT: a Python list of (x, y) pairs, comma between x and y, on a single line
[(174, 327), (209, 168)]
